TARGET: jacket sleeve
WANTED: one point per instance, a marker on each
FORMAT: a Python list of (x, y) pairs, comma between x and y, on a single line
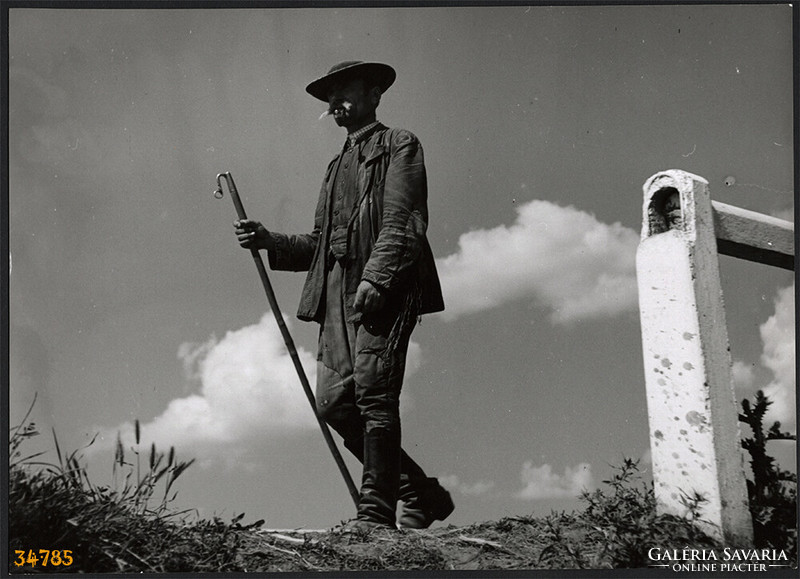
[(296, 252), (405, 215)]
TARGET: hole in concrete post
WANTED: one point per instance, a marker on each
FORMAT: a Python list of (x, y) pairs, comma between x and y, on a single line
[(664, 212)]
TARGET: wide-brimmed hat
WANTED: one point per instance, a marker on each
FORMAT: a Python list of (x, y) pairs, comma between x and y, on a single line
[(381, 74)]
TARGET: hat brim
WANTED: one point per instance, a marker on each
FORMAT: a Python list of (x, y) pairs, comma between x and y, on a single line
[(383, 75)]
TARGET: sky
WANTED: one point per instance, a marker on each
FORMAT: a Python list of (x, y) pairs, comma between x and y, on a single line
[(130, 298)]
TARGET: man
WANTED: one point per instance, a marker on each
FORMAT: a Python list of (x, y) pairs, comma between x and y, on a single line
[(371, 275)]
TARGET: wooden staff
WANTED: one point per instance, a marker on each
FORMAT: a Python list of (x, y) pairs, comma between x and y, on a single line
[(287, 337)]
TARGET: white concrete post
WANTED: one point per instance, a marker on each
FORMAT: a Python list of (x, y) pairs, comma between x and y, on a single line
[(693, 415)]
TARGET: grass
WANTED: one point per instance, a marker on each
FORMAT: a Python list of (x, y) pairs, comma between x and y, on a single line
[(130, 527)]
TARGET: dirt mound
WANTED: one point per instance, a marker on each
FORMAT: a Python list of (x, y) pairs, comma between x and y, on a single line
[(556, 542)]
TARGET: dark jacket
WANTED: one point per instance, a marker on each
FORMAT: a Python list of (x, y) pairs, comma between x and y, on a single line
[(387, 245)]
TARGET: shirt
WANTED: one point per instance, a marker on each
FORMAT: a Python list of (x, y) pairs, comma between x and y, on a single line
[(356, 136), (344, 191)]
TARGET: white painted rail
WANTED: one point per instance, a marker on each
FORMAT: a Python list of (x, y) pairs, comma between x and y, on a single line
[(753, 236)]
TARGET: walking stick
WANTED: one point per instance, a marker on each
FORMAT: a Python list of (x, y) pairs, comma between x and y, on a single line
[(287, 337)]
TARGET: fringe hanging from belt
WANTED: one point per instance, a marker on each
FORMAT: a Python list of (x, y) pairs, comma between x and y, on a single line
[(407, 318)]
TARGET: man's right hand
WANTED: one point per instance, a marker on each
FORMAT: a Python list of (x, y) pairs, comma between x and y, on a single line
[(252, 235)]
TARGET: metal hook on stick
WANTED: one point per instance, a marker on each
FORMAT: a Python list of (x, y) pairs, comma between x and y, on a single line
[(287, 338)]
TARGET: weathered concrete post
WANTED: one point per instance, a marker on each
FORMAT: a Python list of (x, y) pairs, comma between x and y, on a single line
[(693, 415)]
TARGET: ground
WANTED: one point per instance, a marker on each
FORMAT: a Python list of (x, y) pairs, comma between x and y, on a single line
[(512, 543)]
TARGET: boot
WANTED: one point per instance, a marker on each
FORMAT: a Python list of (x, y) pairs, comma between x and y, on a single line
[(424, 501), (381, 479)]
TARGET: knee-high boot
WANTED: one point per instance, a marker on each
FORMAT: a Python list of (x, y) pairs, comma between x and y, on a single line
[(412, 477), (424, 500), (381, 478)]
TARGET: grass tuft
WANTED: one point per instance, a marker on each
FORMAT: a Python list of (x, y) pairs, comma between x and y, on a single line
[(122, 528)]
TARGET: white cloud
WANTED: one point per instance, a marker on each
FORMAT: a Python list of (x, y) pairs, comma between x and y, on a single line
[(743, 375), (454, 484), (192, 354), (249, 390), (778, 336), (540, 482), (777, 358), (564, 258)]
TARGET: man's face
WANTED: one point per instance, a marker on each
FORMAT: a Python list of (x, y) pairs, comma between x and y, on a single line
[(352, 104)]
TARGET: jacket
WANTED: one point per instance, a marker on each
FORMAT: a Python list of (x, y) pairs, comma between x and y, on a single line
[(387, 245)]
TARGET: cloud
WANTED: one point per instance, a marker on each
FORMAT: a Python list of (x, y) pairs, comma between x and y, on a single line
[(778, 359), (743, 375), (248, 391), (564, 258), (778, 336), (192, 355), (540, 482), (454, 484)]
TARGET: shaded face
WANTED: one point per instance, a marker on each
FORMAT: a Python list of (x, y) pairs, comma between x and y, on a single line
[(352, 104)]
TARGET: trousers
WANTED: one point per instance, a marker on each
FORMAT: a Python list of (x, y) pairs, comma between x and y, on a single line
[(359, 379)]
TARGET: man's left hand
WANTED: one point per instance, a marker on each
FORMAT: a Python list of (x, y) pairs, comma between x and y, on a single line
[(368, 298)]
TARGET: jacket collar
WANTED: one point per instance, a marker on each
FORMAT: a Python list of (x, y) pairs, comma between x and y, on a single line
[(373, 143)]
